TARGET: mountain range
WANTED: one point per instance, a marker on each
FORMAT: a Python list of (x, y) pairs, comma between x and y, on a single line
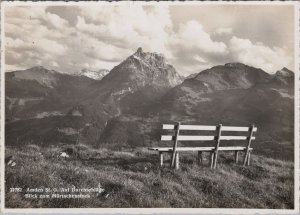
[(126, 106)]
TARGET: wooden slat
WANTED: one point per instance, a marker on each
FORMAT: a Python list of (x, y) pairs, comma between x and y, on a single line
[(170, 149), (168, 126), (234, 128), (207, 128), (232, 148), (197, 138), (198, 127), (167, 138), (235, 138), (203, 149), (191, 127), (186, 138)]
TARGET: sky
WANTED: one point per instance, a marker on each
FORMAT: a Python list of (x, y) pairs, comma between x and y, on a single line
[(191, 37)]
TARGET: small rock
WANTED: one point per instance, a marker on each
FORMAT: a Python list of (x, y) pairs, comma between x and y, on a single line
[(11, 163), (101, 190), (63, 155), (8, 159)]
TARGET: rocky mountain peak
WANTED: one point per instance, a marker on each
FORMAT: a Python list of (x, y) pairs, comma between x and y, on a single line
[(147, 69), (153, 59), (139, 51), (284, 72), (232, 76), (283, 77)]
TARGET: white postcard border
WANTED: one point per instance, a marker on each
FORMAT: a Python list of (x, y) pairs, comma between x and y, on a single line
[(155, 210)]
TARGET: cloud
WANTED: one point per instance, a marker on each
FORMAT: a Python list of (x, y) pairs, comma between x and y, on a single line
[(55, 21), (68, 13), (50, 46), (37, 42), (191, 36), (127, 27), (258, 55), (98, 50), (222, 31), (192, 45), (15, 43), (194, 50), (54, 64), (96, 36), (71, 38)]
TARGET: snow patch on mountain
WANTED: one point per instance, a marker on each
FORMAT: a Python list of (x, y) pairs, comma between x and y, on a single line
[(283, 93), (68, 131), (45, 114), (93, 74), (122, 92)]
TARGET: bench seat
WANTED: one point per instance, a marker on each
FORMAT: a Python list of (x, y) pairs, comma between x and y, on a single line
[(202, 149)]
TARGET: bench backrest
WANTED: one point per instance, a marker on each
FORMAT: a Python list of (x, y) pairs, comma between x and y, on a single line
[(178, 127)]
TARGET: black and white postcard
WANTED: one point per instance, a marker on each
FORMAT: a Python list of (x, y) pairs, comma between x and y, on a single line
[(147, 107)]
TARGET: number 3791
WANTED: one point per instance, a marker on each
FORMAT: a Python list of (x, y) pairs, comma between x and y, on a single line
[(15, 190)]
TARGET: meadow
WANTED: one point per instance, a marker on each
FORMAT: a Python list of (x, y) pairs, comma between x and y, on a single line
[(132, 178)]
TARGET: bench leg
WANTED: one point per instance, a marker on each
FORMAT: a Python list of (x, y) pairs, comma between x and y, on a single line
[(161, 159), (211, 159), (215, 159), (236, 156), (200, 158), (177, 160), (248, 159)]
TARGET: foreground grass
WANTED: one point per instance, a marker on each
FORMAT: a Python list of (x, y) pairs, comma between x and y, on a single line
[(133, 179)]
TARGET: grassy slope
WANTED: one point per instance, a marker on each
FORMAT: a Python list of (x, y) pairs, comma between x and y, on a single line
[(133, 179)]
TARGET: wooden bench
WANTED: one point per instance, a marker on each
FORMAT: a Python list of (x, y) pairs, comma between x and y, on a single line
[(175, 150)]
